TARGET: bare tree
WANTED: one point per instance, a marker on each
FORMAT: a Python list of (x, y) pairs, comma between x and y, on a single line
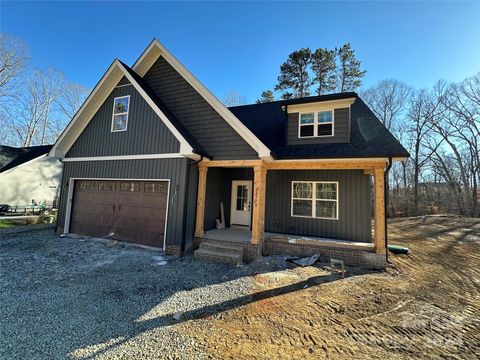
[(30, 113), (233, 98), (13, 58), (388, 100), (71, 98)]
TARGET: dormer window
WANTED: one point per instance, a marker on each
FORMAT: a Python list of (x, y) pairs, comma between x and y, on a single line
[(120, 113), (315, 124)]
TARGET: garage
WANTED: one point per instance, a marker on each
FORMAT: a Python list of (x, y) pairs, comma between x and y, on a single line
[(133, 211)]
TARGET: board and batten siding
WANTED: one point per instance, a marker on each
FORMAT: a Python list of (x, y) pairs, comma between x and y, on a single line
[(201, 120), (219, 189), (173, 169), (341, 130), (355, 207), (146, 133)]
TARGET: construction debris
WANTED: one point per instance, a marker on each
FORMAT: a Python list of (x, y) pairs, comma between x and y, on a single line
[(307, 261)]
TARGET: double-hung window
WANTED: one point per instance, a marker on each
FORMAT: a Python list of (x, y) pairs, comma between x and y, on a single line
[(120, 113), (315, 199), (316, 124)]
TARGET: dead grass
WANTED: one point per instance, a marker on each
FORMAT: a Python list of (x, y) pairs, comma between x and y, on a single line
[(426, 305)]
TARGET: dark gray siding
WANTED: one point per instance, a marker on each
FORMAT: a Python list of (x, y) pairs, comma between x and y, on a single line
[(191, 204), (354, 205), (146, 133), (213, 133), (341, 129), (173, 169), (219, 189)]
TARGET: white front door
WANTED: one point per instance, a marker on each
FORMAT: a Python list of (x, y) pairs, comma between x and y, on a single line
[(241, 202)]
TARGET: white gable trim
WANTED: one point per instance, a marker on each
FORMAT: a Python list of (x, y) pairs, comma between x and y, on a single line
[(96, 98), (156, 49)]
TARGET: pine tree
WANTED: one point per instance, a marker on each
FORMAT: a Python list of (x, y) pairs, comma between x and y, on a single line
[(294, 73), (266, 97), (324, 68), (349, 73)]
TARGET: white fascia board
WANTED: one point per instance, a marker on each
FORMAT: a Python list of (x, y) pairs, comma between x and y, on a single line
[(185, 147), (96, 98), (320, 105), (23, 164), (156, 49)]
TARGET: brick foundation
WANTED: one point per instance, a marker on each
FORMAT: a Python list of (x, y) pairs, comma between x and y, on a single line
[(250, 252), (351, 257), (173, 250)]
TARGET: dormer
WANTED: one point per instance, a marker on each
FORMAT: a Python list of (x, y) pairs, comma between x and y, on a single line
[(318, 122)]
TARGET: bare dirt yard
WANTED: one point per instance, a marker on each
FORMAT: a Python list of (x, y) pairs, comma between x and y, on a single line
[(83, 299), (426, 305)]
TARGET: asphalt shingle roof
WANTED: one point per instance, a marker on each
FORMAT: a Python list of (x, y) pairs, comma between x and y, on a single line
[(368, 137), (12, 156)]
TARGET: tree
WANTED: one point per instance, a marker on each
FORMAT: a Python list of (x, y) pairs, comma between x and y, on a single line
[(266, 97), (294, 74), (349, 73), (233, 98), (324, 68), (30, 113), (72, 96), (388, 100), (13, 57)]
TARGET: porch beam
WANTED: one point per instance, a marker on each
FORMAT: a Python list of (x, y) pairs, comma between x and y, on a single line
[(202, 186), (328, 165), (259, 191), (379, 211), (231, 163)]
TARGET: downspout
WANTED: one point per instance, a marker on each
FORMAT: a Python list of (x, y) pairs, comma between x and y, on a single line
[(185, 210), (386, 193)]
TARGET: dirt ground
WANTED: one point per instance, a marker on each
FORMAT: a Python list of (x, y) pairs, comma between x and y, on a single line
[(426, 305)]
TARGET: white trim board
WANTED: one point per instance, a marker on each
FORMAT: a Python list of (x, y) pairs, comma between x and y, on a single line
[(125, 157), (156, 49), (96, 98), (71, 187), (23, 164)]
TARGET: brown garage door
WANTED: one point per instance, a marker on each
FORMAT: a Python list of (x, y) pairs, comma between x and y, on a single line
[(132, 211)]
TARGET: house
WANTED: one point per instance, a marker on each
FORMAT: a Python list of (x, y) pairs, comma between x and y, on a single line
[(152, 154), (27, 174)]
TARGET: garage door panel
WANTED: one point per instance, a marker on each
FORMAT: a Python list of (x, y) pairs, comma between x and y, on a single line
[(134, 211)]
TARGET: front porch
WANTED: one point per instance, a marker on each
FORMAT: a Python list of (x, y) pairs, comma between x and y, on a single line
[(353, 253), (256, 240)]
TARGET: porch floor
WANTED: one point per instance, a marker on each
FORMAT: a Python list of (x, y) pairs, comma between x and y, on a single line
[(229, 234), (245, 235)]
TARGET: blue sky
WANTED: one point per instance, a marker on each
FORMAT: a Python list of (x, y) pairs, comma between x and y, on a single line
[(240, 46)]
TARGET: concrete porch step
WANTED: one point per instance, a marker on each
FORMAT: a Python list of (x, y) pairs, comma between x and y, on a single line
[(218, 255), (230, 248)]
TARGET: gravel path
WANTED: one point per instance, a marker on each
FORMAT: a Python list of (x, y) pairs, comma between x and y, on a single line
[(76, 298)]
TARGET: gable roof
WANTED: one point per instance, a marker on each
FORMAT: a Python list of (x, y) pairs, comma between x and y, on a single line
[(102, 90), (368, 137), (11, 157), (150, 56)]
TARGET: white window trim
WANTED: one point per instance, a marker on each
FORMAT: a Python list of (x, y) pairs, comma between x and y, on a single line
[(314, 199), (316, 123), (113, 113)]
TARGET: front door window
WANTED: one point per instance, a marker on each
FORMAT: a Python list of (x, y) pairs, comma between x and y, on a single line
[(241, 202)]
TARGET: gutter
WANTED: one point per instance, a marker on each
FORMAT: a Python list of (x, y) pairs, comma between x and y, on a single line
[(385, 175)]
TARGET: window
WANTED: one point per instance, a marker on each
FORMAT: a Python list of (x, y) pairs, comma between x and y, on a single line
[(120, 113), (315, 199), (316, 124)]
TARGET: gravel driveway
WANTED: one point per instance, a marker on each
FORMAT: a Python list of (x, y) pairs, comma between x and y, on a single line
[(76, 298)]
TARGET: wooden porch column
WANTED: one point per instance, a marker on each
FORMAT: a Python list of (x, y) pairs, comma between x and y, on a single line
[(202, 186), (379, 210), (259, 190)]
